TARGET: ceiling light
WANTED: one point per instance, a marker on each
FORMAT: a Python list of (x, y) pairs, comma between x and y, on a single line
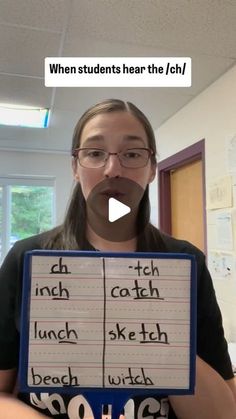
[(23, 116)]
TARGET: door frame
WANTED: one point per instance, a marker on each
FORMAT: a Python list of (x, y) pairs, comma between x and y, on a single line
[(188, 155)]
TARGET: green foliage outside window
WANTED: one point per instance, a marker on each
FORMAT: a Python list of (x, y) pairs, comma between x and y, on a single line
[(31, 210)]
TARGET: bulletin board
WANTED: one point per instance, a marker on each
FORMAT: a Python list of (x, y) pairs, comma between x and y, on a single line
[(108, 321)]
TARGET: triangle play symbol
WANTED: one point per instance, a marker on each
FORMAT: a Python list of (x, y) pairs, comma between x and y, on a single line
[(116, 209)]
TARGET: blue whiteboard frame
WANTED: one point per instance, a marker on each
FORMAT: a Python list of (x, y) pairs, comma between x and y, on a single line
[(97, 397)]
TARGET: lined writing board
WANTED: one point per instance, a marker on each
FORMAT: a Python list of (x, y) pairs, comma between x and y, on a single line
[(93, 320)]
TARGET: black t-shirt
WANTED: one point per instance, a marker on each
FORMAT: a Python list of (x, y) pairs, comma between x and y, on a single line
[(211, 344)]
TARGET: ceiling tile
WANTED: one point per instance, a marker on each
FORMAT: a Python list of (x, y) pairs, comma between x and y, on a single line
[(182, 24), (43, 14), (22, 51)]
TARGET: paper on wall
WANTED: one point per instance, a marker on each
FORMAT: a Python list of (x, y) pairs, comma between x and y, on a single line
[(224, 231), (220, 264), (220, 193)]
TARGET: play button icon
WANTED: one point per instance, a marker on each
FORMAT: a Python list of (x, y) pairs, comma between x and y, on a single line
[(117, 209)]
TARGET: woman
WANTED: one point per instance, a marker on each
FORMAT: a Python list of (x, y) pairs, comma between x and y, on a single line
[(114, 151)]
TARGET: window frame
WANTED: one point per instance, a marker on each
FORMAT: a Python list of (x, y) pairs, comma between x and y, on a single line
[(6, 182)]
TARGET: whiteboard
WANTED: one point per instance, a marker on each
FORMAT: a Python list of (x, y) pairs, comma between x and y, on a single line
[(93, 320)]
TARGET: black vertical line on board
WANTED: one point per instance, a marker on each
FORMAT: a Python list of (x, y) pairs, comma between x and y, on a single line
[(104, 324)]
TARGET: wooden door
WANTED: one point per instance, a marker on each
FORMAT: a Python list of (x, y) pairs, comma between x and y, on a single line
[(186, 189)]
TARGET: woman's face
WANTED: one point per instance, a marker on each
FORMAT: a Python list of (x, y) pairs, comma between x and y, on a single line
[(113, 132)]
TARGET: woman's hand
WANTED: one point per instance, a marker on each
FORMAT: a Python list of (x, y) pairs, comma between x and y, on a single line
[(212, 399), (10, 407)]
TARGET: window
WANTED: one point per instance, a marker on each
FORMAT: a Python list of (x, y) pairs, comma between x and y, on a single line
[(26, 208)]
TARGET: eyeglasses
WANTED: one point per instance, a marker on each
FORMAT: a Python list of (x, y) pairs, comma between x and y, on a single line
[(95, 158)]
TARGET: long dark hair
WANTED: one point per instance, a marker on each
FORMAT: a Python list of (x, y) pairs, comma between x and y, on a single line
[(71, 234)]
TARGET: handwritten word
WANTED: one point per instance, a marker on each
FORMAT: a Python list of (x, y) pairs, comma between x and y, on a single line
[(58, 292), (59, 268), (146, 270), (145, 335), (48, 380), (140, 293), (131, 379), (62, 335)]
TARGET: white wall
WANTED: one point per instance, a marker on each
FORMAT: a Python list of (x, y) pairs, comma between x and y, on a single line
[(54, 165), (211, 115)]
